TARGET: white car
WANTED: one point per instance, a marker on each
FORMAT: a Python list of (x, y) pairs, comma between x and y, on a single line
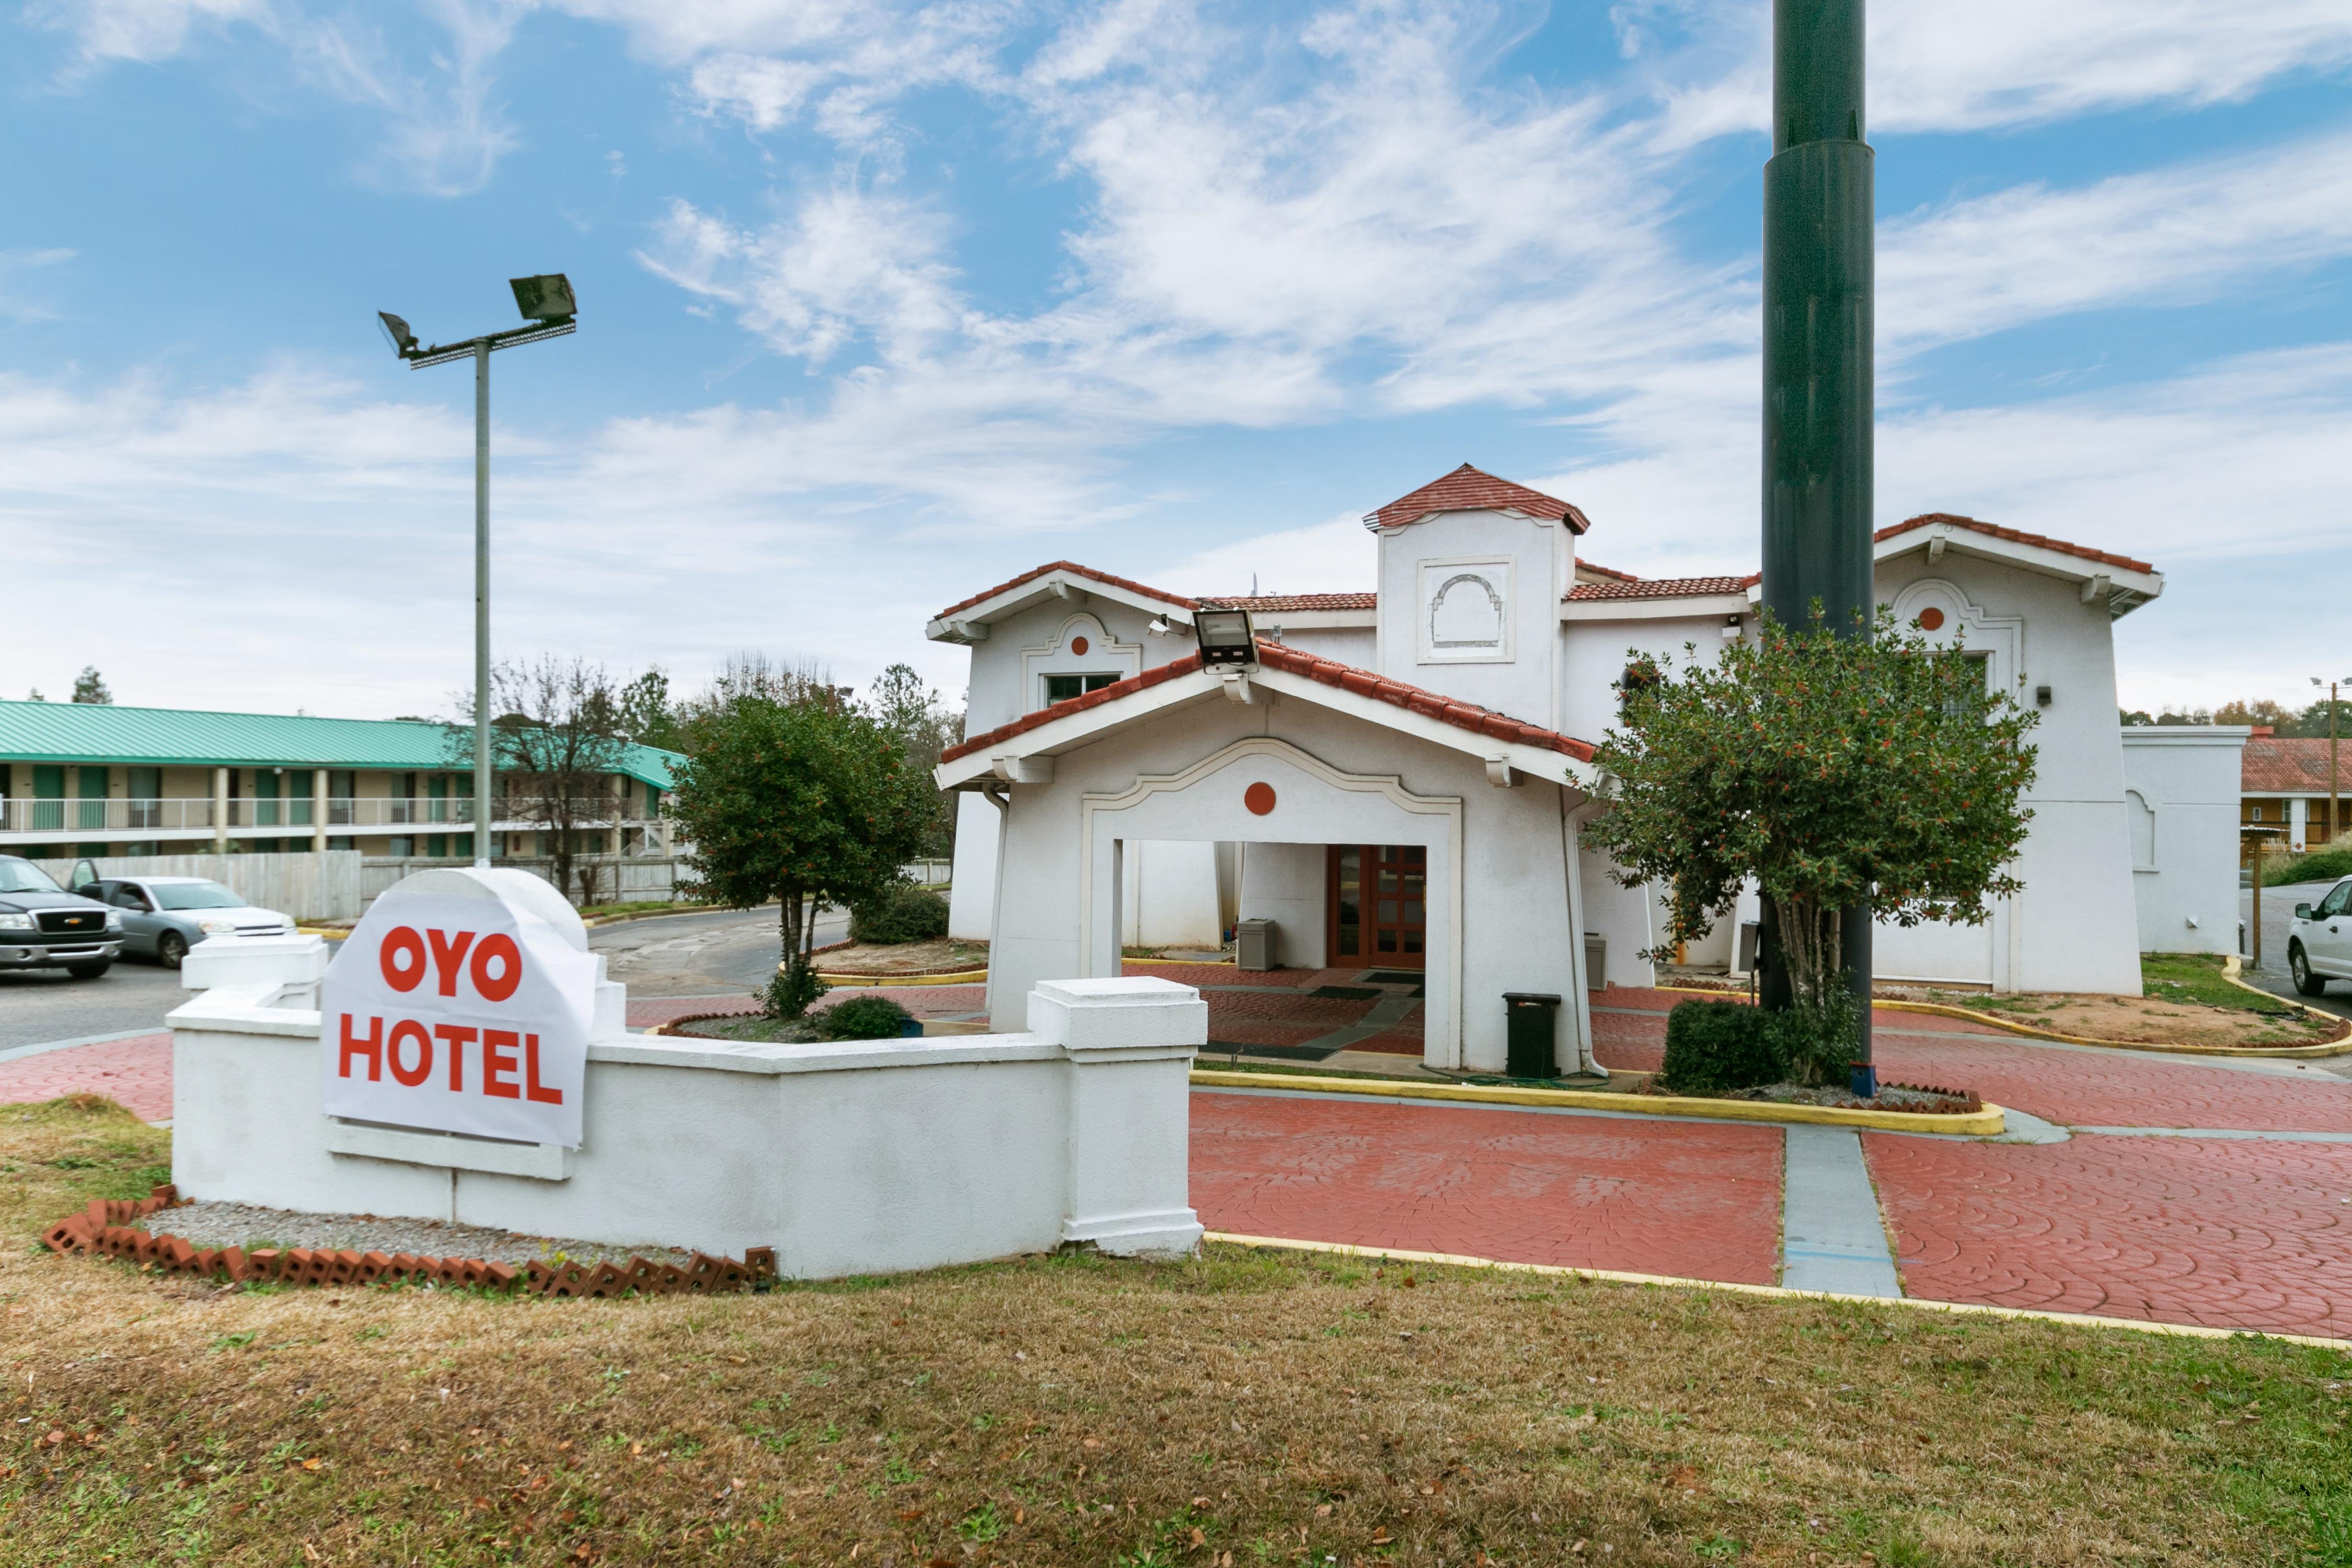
[(163, 917), (2319, 942)]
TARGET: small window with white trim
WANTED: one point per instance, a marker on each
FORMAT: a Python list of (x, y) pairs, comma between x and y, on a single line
[(1062, 688)]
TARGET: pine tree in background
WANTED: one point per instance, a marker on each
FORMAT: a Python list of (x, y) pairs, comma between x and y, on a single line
[(90, 686)]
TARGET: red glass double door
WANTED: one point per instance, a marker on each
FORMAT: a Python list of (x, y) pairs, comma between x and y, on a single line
[(1377, 908)]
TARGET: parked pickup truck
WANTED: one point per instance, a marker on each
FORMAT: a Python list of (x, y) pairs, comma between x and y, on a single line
[(42, 926)]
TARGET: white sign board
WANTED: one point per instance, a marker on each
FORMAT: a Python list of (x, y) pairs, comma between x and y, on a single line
[(460, 1014)]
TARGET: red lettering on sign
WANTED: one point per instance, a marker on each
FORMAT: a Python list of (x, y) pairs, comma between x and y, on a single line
[(449, 958), (371, 1048), (401, 940), (533, 1089), (499, 1064), (410, 1029), (457, 1036), (500, 946)]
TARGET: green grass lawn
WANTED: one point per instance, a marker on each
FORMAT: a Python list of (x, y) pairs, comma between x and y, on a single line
[(2198, 977), (1244, 1410)]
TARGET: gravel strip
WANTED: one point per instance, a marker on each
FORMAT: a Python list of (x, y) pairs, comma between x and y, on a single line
[(242, 1225)]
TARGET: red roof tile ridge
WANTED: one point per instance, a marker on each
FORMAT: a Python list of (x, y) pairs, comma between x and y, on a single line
[(1293, 601), (1071, 566), (2015, 536), (1474, 489), (1664, 588), (1584, 566), (1314, 667)]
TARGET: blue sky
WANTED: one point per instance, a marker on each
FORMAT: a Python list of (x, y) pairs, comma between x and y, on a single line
[(883, 304)]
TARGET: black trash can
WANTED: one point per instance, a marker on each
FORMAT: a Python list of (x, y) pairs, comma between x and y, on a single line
[(1533, 1019)]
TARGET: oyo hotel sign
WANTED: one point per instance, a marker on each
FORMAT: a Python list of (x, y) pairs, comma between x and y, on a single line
[(458, 1014)]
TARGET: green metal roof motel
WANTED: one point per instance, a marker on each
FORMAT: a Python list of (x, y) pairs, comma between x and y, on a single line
[(179, 737)]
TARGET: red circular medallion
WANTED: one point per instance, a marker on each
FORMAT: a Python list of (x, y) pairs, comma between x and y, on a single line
[(1259, 798), (1931, 618), (1078, 645)]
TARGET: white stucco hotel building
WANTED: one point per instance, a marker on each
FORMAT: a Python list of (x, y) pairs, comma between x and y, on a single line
[(1401, 782)]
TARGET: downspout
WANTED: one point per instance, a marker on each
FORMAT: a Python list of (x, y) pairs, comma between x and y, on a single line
[(1572, 822), (998, 795)]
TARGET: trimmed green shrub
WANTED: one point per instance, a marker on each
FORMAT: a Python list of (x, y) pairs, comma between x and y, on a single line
[(1712, 1046), (863, 1018), (1813, 1044), (791, 990), (902, 914)]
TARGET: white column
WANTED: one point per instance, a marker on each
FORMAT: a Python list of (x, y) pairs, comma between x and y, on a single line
[(220, 811), (318, 811), (1130, 1044), (2298, 814)]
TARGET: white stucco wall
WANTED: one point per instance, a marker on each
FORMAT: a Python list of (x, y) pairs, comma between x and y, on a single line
[(1520, 677), (1502, 868), (1597, 652), (1286, 883), (1008, 668), (2075, 927), (1170, 896), (971, 894), (1349, 645), (2180, 810), (849, 1158)]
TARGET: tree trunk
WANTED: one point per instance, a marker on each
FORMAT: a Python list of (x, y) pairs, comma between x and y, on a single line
[(788, 915), (1810, 944)]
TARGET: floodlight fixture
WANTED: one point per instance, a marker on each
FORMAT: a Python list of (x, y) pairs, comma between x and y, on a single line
[(396, 332), (548, 306), (546, 298), (1225, 636)]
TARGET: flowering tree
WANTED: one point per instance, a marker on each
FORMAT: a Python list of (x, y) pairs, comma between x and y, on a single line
[(1834, 771)]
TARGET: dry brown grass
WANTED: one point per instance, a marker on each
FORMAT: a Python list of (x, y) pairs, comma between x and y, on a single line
[(1243, 1409)]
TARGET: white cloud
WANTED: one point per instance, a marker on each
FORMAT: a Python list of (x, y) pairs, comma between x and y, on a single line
[(140, 30), (2174, 233), (1333, 556), (1936, 66), (443, 135), (14, 264)]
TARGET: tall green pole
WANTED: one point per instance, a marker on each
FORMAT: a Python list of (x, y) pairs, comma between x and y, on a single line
[(1817, 297)]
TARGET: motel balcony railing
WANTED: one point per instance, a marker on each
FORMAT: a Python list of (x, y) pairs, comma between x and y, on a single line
[(125, 817)]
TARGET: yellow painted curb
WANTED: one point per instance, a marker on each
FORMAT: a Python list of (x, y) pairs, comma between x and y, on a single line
[(860, 982), (324, 932), (2336, 1048), (1990, 1122), (1610, 1276)]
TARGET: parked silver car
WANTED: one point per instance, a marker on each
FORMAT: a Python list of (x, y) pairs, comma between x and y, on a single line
[(163, 917), (2320, 942)]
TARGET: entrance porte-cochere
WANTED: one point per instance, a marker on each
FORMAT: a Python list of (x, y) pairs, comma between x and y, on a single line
[(1378, 905)]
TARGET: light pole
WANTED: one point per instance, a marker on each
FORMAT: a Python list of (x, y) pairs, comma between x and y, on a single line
[(2335, 820), (547, 303)]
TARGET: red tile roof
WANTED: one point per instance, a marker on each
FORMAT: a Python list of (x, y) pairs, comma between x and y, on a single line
[(1255, 602), (1178, 600), (1327, 672), (2274, 766), (1664, 587), (1595, 566), (2013, 536), (1468, 489)]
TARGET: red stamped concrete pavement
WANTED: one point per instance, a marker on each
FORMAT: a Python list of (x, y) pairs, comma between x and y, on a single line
[(136, 1074), (2080, 1087), (2229, 1234), (1587, 1192)]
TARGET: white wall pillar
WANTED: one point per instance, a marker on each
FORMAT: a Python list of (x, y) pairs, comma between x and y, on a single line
[(220, 811), (318, 811), (2298, 818), (1130, 1044)]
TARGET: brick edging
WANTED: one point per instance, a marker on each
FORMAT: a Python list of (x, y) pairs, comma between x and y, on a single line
[(103, 1228)]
